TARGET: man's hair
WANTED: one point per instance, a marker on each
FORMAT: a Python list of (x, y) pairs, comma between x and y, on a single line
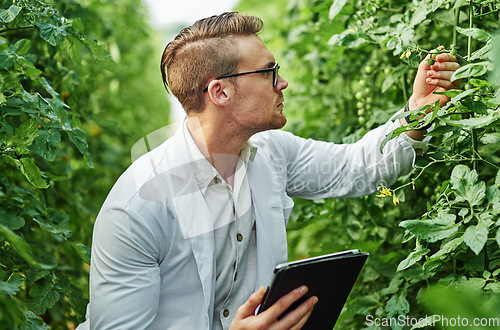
[(202, 51)]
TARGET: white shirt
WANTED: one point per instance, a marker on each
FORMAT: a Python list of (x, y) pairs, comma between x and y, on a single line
[(233, 217)]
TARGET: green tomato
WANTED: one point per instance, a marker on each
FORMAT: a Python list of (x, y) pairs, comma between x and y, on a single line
[(361, 120), (359, 105), (431, 61), (453, 52)]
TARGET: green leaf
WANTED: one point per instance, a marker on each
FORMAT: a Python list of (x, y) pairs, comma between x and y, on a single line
[(6, 59), (498, 237), (447, 248), (336, 8), (32, 173), (470, 70), (78, 25), (35, 322), (411, 259), (13, 284), (490, 138), (77, 136), (391, 135), (82, 250), (475, 193), (432, 230), (423, 322), (78, 302), (51, 33), (393, 77), (476, 106), (42, 296), (26, 133), (57, 222), (74, 47), (397, 305), (8, 15), (484, 52), (22, 247), (475, 237), (476, 122), (101, 55), (11, 219), (21, 47), (48, 142), (464, 185), (475, 33)]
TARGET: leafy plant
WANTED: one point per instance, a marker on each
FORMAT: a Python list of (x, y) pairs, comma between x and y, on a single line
[(353, 64), (63, 101)]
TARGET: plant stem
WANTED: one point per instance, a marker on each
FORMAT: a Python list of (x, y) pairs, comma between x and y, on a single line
[(17, 29), (471, 24), (405, 93), (457, 22), (469, 52), (486, 259)]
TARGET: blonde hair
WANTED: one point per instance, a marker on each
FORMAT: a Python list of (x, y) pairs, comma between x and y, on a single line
[(202, 51)]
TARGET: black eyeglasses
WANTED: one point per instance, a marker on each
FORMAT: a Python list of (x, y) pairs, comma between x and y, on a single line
[(274, 69)]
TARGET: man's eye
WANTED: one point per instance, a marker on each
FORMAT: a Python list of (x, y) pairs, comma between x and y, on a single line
[(266, 73)]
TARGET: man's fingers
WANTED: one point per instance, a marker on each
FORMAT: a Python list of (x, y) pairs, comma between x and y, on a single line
[(445, 75), (303, 321), (249, 307), (299, 316), (284, 302), (445, 66), (445, 57)]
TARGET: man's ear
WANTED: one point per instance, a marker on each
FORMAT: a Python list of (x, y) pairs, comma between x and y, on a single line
[(219, 92)]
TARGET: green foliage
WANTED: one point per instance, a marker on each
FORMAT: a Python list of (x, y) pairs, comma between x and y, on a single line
[(70, 106), (353, 65)]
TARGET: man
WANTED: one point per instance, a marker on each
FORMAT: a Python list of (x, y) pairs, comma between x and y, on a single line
[(190, 234)]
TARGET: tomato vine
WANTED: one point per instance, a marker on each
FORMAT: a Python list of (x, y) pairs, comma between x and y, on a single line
[(353, 66)]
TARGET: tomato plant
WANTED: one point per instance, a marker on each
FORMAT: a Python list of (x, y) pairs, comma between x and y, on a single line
[(353, 67), (66, 104)]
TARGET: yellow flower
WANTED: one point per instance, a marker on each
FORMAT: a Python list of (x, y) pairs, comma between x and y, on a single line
[(402, 56), (408, 54), (395, 200), (384, 191), (351, 30)]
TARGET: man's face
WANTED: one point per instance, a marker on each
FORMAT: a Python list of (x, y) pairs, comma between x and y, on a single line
[(257, 106)]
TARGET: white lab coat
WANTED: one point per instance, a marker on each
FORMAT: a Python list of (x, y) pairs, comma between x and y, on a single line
[(153, 260)]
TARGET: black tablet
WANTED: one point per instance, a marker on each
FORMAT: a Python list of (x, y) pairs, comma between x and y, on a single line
[(329, 277)]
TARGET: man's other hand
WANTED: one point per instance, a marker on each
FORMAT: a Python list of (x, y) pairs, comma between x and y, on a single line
[(246, 319)]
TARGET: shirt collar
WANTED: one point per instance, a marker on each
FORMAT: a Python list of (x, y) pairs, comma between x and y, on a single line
[(204, 172)]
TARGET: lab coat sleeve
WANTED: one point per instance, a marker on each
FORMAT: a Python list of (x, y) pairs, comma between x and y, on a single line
[(316, 169), (125, 275)]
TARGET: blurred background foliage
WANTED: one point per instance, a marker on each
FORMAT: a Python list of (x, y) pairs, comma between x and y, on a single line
[(80, 84)]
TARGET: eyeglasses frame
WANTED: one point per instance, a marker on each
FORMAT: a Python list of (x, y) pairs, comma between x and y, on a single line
[(274, 69)]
